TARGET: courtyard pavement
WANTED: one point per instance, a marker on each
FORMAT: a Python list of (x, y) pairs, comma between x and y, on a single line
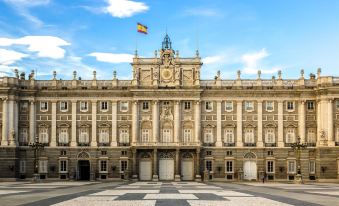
[(167, 194)]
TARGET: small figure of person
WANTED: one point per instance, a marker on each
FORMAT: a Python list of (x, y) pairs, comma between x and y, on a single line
[(264, 177)]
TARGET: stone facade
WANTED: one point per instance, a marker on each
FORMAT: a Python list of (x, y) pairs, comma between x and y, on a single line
[(168, 124)]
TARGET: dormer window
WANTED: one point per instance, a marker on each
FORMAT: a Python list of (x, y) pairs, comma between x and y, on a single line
[(104, 106), (228, 106), (290, 106), (43, 106), (269, 106), (84, 106), (145, 105), (63, 106), (123, 106)]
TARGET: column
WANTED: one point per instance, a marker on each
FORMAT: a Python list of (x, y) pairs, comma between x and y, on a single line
[(155, 121), (155, 164), (239, 124), (32, 125), (11, 122), (16, 123), (219, 127), (134, 163), (4, 140), (197, 122), (281, 123), (114, 123), (135, 122), (318, 121), (331, 139), (302, 123), (94, 142), (53, 127), (74, 124), (177, 160), (260, 134), (176, 121), (197, 172)]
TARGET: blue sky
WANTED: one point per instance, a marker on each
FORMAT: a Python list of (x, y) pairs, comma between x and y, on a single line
[(231, 35)]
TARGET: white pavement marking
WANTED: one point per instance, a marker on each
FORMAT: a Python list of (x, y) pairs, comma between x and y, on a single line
[(146, 183), (5, 192), (128, 187), (95, 198), (170, 196), (122, 192), (108, 203), (208, 187), (336, 193), (255, 201), (217, 192)]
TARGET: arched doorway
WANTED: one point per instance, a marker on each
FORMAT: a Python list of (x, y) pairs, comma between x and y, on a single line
[(84, 166), (166, 166), (250, 166), (187, 166), (145, 166)]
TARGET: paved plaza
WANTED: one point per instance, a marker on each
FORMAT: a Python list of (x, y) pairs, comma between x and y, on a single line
[(167, 193)]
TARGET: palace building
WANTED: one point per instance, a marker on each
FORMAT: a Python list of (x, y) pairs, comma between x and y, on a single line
[(166, 123)]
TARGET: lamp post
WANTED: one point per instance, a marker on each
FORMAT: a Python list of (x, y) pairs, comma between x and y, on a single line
[(298, 146), (36, 145)]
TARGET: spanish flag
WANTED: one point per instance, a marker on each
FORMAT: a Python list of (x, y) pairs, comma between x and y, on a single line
[(142, 28)]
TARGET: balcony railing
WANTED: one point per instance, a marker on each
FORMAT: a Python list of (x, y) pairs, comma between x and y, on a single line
[(106, 144), (250, 144), (288, 144), (83, 144), (313, 144), (270, 144), (166, 144), (229, 144), (63, 144), (123, 144), (209, 144), (23, 143)]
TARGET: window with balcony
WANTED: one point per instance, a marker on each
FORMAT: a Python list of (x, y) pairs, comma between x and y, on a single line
[(104, 106), (166, 135), (249, 106), (228, 106), (23, 106), (310, 105), (269, 106), (83, 136), (123, 106), (311, 136), (291, 168), (64, 106), (311, 167), (43, 135), (270, 136), (83, 106), (123, 166), (63, 136), (23, 138), (124, 136), (145, 135), (290, 135), (187, 135), (208, 165), (63, 166), (145, 105), (249, 136), (229, 166), (103, 166), (43, 106), (43, 164), (290, 106), (270, 166), (104, 135), (208, 106), (208, 136), (229, 136)]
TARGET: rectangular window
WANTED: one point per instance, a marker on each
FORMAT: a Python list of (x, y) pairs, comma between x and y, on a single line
[(187, 135), (269, 106), (229, 136), (123, 165), (229, 166), (166, 135), (208, 153), (312, 167), (22, 166), (270, 153), (23, 135), (42, 166), (124, 136), (23, 106), (290, 135), (208, 137), (145, 105), (123, 106), (43, 135), (124, 153), (270, 166), (228, 106), (229, 153), (103, 166), (249, 106), (270, 135), (290, 106), (311, 136), (63, 106), (63, 166), (165, 103), (83, 136), (310, 105), (104, 106), (145, 135), (187, 105), (208, 165), (291, 166), (63, 136), (208, 106), (43, 106), (83, 106), (249, 136), (103, 135)]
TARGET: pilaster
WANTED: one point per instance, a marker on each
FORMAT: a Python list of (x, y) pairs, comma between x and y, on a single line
[(281, 123), (197, 121), (155, 121), (74, 124), (114, 123), (11, 115), (176, 121), (94, 142), (219, 128), (4, 140), (260, 133), (302, 121), (239, 124), (32, 121), (53, 127), (135, 122), (331, 139)]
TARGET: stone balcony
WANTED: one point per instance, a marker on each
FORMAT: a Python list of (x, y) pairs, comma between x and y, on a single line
[(165, 144)]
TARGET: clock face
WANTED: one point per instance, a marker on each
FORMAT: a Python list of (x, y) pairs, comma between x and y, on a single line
[(166, 74)]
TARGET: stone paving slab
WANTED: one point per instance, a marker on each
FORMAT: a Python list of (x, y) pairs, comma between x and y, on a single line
[(170, 196), (5, 192)]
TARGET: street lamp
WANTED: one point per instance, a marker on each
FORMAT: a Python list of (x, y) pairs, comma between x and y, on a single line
[(37, 146), (298, 146)]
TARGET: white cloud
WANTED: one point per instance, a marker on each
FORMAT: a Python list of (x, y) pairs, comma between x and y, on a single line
[(125, 8), (45, 46), (28, 3), (252, 61), (212, 59), (112, 58), (8, 57)]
